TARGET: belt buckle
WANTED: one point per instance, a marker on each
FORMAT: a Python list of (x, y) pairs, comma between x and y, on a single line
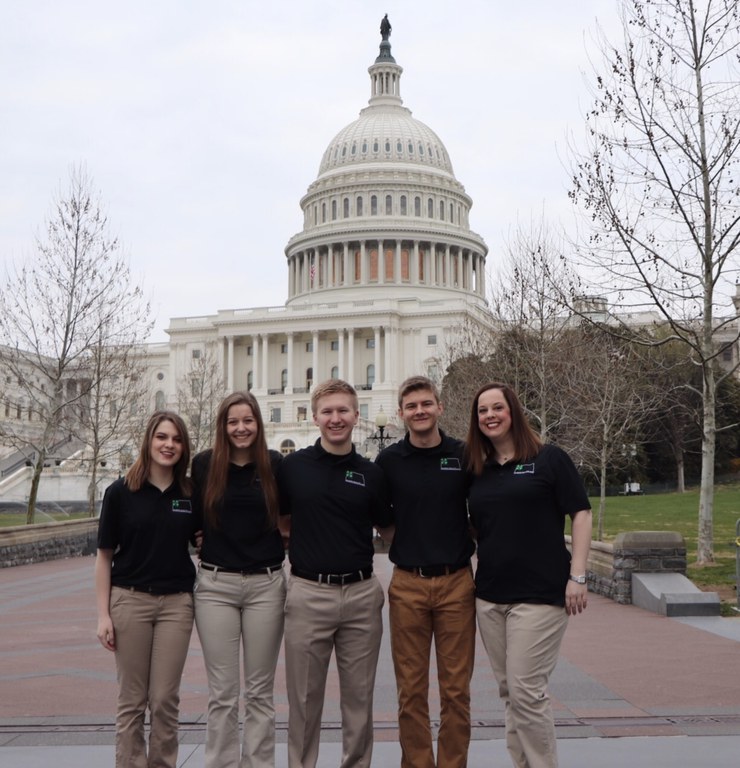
[(421, 573)]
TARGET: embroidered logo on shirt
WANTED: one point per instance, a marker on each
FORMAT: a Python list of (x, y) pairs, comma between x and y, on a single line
[(524, 469), (356, 478), (450, 463), (182, 506)]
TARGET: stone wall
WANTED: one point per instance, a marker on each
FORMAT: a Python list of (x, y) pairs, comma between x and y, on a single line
[(610, 566), (25, 544)]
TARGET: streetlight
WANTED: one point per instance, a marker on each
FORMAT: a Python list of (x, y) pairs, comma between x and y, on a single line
[(381, 422)]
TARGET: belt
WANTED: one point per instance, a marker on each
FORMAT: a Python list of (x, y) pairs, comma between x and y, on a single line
[(430, 571), (267, 570), (151, 590), (335, 579)]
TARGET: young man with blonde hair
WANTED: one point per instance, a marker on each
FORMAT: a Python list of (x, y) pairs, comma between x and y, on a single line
[(334, 498), (432, 594)]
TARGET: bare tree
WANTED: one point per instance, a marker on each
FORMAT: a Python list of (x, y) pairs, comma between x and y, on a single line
[(659, 179), (56, 310), (199, 394)]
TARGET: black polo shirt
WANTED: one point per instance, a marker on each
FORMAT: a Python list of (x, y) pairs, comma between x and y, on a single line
[(242, 539), (428, 489), (518, 511), (334, 502), (149, 532)]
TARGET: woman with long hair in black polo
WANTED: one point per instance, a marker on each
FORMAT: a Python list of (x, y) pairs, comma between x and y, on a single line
[(144, 586), (240, 587)]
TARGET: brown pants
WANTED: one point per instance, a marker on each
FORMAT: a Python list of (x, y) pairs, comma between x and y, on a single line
[(443, 608), (152, 638)]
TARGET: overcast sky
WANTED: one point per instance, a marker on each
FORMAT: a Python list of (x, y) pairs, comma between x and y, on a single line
[(203, 123)]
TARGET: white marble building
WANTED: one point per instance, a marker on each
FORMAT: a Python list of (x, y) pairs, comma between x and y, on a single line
[(384, 272)]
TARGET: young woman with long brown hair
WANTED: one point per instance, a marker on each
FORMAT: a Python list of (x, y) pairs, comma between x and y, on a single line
[(240, 587), (144, 586), (526, 583)]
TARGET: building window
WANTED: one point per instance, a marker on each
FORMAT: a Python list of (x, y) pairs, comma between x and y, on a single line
[(430, 208), (334, 345), (345, 208), (309, 346), (159, 402), (333, 210), (358, 206), (441, 210), (249, 351), (404, 212), (432, 339), (364, 410), (388, 205), (160, 376), (370, 377), (283, 379), (373, 205), (323, 213), (286, 447), (452, 210), (433, 372), (417, 206), (334, 372), (370, 343), (250, 380), (195, 354), (301, 413), (275, 415), (283, 349), (309, 378)]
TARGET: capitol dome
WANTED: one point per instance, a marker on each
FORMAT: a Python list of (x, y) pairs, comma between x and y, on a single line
[(386, 210)]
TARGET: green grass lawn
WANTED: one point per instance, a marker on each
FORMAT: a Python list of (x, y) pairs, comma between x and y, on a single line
[(680, 512)]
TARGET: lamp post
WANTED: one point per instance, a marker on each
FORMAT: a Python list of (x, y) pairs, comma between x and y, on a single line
[(381, 422)]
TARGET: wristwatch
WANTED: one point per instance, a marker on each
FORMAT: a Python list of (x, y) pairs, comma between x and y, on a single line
[(578, 579)]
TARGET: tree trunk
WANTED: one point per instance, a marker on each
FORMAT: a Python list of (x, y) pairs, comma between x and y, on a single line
[(92, 488), (705, 543), (680, 476), (33, 493)]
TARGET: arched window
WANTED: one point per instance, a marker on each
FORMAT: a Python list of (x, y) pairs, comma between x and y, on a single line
[(345, 208), (373, 205), (333, 210), (358, 206), (159, 403), (286, 447), (323, 213), (452, 212), (403, 205), (430, 208), (417, 206), (388, 205), (283, 379), (309, 378), (334, 372), (441, 210), (370, 377)]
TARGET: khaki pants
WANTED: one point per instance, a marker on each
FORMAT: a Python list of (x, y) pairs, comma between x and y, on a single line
[(523, 641), (240, 614), (152, 639), (443, 608), (347, 619)]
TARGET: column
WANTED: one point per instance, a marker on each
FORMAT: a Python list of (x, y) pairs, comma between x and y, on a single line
[(376, 331), (388, 349), (469, 271), (459, 268), (340, 353), (481, 275), (230, 364), (265, 363), (350, 375), (315, 358), (381, 263), (364, 270), (348, 276), (432, 264), (448, 281), (256, 361), (397, 277), (289, 365), (414, 266)]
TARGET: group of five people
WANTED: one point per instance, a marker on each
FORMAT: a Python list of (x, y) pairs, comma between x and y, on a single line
[(432, 497)]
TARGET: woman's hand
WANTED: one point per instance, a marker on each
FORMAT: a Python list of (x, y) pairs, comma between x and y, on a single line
[(106, 634), (576, 598)]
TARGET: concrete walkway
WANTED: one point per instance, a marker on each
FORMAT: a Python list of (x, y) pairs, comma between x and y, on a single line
[(631, 688)]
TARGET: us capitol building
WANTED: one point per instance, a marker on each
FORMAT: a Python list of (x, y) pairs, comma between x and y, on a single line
[(383, 274)]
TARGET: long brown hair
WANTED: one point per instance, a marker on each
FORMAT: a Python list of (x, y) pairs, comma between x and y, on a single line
[(219, 465), (139, 470), (478, 448)]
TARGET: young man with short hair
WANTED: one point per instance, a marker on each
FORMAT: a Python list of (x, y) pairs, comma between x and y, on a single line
[(334, 498), (432, 594)]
